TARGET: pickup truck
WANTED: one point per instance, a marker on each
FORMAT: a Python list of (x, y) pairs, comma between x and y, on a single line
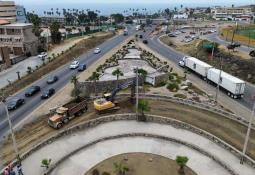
[(68, 111)]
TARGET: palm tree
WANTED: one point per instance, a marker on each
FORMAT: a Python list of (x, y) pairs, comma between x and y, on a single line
[(95, 76), (143, 106), (142, 73), (181, 161), (117, 72), (74, 80), (45, 163), (119, 168)]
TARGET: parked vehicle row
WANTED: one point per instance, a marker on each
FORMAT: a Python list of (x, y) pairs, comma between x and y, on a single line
[(233, 86)]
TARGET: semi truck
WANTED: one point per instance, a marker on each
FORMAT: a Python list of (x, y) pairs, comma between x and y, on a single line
[(233, 86), (195, 65), (68, 111)]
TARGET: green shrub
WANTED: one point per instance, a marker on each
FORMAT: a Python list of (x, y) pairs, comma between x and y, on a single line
[(171, 77), (173, 87), (95, 172), (106, 173), (161, 84), (180, 96)]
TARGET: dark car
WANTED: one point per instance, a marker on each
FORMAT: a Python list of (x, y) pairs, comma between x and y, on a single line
[(140, 36), (172, 35), (32, 90), (252, 53), (15, 103), (47, 93), (145, 41), (236, 44), (82, 67), (52, 79)]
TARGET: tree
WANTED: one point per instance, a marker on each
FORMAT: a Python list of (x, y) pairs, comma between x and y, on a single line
[(118, 18), (45, 163), (117, 72), (120, 169), (74, 80), (208, 10), (55, 34), (95, 76), (36, 21), (181, 161), (142, 73), (143, 106)]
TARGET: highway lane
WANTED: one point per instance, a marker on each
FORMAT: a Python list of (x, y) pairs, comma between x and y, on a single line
[(64, 74), (175, 57)]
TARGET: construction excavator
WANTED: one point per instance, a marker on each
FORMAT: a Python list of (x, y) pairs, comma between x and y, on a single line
[(106, 103)]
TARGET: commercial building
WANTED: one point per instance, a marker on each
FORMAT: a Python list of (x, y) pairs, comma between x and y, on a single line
[(183, 16), (8, 11), (19, 39), (236, 14)]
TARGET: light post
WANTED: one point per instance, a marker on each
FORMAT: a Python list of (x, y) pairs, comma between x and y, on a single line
[(248, 132), (12, 133)]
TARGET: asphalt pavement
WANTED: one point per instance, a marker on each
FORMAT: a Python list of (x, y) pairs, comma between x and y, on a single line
[(175, 57), (64, 74)]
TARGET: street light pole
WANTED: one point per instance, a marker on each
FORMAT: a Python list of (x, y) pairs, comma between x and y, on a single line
[(12, 134), (137, 91), (247, 134)]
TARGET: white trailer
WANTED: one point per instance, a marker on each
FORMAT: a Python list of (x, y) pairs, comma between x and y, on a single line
[(234, 86), (138, 27), (196, 65)]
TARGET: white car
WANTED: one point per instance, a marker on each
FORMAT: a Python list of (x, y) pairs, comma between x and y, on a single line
[(74, 65), (42, 55), (97, 50)]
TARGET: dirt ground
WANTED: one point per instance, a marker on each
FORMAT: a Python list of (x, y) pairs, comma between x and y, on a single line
[(226, 129), (141, 164)]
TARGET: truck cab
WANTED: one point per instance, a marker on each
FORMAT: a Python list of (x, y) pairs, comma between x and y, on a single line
[(59, 118), (182, 62)]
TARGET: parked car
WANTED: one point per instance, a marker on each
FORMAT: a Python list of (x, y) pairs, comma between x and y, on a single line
[(252, 53), (97, 50), (52, 79), (42, 55), (32, 91), (182, 31), (145, 41), (141, 36), (192, 33), (47, 93), (236, 44), (15, 103), (82, 67), (74, 65), (172, 35)]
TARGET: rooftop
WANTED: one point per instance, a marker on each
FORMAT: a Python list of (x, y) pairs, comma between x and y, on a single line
[(18, 25)]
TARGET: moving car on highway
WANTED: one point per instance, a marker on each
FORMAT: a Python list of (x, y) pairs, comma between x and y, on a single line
[(82, 67), (52, 79), (97, 50), (15, 103), (47, 93), (74, 65), (32, 91)]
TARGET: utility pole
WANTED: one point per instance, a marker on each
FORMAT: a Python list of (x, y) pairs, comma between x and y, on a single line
[(234, 30), (219, 81), (249, 39), (137, 88), (12, 134), (248, 133)]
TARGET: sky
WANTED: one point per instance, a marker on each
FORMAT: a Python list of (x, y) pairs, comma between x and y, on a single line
[(24, 2)]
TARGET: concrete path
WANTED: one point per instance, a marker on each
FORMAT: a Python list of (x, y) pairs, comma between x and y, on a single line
[(10, 75), (87, 158)]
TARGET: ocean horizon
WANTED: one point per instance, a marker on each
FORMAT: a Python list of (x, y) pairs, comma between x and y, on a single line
[(107, 9)]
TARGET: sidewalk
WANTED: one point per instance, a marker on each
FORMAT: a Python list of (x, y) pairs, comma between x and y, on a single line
[(82, 161), (11, 75)]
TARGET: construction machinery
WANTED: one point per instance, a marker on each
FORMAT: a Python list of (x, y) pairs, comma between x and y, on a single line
[(106, 103)]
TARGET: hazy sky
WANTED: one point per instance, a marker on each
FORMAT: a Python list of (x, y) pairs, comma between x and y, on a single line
[(24, 2)]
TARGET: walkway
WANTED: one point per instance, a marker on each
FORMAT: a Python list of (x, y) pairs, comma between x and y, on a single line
[(87, 158)]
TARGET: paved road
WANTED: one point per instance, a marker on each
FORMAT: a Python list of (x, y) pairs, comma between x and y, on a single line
[(175, 57), (215, 38), (64, 74)]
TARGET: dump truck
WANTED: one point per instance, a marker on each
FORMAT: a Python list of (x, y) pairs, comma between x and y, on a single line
[(68, 111)]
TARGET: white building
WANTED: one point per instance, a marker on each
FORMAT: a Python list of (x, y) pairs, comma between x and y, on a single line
[(180, 16), (237, 14)]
